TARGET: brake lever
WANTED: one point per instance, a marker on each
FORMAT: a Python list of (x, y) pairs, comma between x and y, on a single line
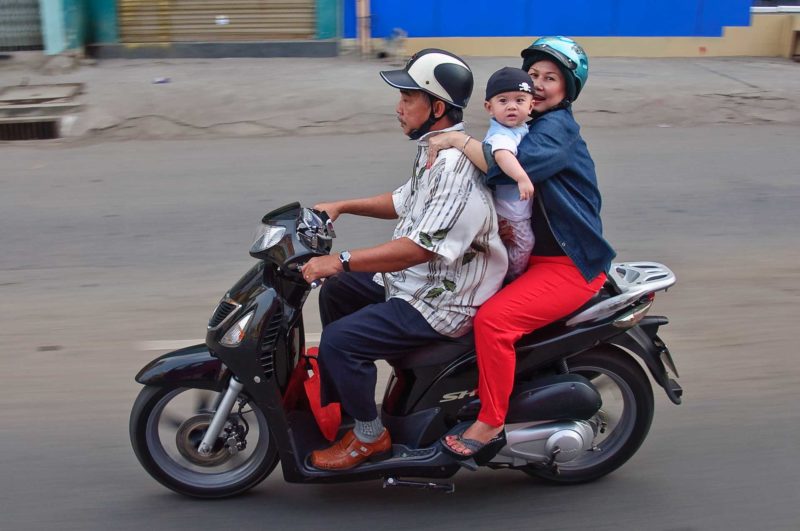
[(329, 225)]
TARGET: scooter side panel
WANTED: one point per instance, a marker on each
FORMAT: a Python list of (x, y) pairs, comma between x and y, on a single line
[(532, 355), (456, 384)]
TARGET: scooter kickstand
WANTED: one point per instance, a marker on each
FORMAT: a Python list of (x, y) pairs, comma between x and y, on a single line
[(391, 481)]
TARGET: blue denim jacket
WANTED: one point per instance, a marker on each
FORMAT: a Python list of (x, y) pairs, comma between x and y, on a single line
[(557, 160)]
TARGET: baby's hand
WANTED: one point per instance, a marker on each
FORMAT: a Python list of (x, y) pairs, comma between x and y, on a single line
[(525, 190)]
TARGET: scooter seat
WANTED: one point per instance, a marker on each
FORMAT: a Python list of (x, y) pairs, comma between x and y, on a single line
[(447, 350), (436, 353)]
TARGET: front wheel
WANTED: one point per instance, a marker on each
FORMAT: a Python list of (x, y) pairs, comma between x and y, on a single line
[(624, 418), (167, 425)]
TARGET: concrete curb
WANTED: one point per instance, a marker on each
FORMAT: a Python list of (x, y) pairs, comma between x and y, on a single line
[(216, 50)]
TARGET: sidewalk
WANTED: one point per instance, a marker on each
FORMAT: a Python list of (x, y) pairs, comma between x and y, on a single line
[(289, 96)]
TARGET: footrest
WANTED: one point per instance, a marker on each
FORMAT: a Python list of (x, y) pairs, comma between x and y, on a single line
[(403, 452)]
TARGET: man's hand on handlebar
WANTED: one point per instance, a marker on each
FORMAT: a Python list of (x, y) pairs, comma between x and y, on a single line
[(321, 267), (333, 209)]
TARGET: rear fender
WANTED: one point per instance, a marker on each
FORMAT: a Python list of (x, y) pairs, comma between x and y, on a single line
[(643, 342), (188, 367)]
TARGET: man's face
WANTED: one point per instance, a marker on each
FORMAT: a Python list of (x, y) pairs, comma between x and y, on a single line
[(510, 108), (412, 110)]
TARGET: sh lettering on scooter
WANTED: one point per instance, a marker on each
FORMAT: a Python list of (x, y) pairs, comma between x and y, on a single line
[(458, 395)]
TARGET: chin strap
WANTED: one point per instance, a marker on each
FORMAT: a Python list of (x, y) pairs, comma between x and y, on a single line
[(425, 128)]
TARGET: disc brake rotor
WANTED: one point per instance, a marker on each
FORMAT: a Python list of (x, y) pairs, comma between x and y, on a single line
[(188, 439)]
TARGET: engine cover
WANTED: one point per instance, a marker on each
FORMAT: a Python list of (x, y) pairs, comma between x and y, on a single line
[(559, 441)]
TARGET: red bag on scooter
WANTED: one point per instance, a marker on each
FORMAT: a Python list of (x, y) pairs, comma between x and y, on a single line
[(307, 371)]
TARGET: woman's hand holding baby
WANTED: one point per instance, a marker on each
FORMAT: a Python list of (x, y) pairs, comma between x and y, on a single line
[(442, 141)]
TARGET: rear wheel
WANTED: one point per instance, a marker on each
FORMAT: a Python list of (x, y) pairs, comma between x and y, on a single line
[(167, 425), (624, 418)]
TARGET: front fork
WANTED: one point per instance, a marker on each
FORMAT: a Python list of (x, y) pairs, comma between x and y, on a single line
[(220, 416)]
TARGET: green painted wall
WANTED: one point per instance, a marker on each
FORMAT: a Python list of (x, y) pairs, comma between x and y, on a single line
[(74, 23), (53, 32), (329, 19), (102, 21), (63, 25)]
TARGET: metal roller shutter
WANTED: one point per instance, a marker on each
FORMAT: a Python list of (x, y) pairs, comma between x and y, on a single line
[(143, 21), (20, 25)]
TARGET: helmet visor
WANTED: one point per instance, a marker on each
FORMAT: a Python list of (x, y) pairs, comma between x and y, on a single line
[(400, 79)]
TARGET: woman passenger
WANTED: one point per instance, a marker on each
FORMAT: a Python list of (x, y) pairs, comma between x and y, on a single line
[(570, 258)]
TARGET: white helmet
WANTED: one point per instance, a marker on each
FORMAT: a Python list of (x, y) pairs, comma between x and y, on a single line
[(439, 73)]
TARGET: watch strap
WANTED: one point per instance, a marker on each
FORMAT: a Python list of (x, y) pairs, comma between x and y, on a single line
[(344, 258)]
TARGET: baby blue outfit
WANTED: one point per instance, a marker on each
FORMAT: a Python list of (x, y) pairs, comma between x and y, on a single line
[(509, 206)]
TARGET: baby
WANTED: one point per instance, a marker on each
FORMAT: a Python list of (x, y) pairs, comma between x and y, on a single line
[(509, 101)]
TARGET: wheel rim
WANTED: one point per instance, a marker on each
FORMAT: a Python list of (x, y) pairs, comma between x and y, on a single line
[(182, 406), (618, 412)]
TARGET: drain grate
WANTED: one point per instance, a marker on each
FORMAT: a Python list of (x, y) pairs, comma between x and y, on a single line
[(29, 130)]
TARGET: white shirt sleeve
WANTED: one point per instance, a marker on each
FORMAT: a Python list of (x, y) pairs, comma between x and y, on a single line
[(400, 198), (505, 142)]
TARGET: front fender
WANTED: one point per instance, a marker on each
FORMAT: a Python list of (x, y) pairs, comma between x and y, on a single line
[(188, 367)]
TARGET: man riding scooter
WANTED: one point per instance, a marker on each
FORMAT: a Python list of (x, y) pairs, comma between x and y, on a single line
[(444, 260)]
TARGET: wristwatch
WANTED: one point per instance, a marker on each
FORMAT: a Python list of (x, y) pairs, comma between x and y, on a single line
[(344, 258)]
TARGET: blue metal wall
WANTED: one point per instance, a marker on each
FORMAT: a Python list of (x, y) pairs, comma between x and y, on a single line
[(579, 18)]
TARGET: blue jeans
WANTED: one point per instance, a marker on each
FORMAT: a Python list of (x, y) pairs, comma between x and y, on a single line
[(359, 327)]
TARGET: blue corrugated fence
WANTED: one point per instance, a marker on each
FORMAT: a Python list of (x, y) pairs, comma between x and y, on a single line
[(580, 18)]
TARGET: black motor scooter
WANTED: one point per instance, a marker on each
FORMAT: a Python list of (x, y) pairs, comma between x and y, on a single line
[(211, 421)]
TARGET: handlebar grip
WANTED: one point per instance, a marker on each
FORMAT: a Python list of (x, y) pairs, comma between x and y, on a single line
[(316, 283)]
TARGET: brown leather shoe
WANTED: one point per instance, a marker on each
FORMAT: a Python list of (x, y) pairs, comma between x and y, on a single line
[(349, 452)]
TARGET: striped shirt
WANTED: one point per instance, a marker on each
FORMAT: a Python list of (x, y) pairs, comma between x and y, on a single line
[(448, 210)]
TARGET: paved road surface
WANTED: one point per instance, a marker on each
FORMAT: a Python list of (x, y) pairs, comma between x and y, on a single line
[(110, 245)]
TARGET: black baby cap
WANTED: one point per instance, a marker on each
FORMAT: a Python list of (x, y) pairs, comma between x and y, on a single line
[(508, 79)]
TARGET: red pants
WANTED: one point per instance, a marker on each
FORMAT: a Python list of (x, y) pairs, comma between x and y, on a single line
[(551, 288)]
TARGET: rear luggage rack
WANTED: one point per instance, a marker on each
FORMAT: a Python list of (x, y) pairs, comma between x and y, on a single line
[(633, 280)]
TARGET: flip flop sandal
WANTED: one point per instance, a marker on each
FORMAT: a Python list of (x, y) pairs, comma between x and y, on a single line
[(481, 452)]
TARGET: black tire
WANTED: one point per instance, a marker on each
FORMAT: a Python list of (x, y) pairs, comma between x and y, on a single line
[(181, 475), (609, 367)]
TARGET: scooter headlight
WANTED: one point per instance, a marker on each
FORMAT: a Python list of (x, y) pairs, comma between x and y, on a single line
[(266, 236), (235, 334)]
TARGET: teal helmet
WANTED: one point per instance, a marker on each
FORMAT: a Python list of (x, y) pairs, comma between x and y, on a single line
[(567, 54)]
